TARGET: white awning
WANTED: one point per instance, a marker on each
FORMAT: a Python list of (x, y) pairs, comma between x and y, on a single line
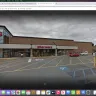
[(15, 46), (27, 46), (67, 47)]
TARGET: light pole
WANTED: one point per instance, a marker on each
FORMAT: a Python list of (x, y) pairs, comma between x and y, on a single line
[(55, 49)]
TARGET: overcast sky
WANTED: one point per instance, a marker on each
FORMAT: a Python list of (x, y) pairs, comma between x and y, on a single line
[(60, 26)]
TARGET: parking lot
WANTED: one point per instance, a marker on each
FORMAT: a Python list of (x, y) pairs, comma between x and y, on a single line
[(43, 69), (22, 64)]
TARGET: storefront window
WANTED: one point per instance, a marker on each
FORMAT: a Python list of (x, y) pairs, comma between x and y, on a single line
[(1, 38), (1, 53), (7, 53), (43, 52)]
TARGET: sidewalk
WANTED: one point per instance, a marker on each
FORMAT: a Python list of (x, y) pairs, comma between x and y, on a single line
[(25, 57), (7, 58)]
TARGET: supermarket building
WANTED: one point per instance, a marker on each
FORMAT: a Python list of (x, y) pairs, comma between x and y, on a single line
[(13, 46)]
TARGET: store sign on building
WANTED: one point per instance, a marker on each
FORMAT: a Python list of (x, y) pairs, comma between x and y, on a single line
[(1, 37), (0, 33), (44, 47)]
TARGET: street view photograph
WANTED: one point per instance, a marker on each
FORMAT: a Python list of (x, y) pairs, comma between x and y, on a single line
[(47, 49)]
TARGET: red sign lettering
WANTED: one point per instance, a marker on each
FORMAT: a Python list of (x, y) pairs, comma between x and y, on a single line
[(44, 47)]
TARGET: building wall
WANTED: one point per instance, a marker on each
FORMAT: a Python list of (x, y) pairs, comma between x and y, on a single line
[(34, 41), (1, 37), (1, 41), (64, 42), (41, 41), (94, 48), (7, 38), (84, 46), (5, 35)]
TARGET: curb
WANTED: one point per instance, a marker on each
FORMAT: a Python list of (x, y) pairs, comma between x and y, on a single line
[(6, 58)]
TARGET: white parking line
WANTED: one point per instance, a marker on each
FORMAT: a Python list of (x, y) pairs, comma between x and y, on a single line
[(11, 65), (27, 66), (30, 60), (55, 66), (8, 65), (51, 66), (90, 61), (70, 60), (41, 68), (48, 62), (60, 61), (4, 64), (82, 62)]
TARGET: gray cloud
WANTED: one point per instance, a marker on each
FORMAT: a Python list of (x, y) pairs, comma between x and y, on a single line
[(77, 27)]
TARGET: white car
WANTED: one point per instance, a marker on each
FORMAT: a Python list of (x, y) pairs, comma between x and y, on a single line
[(84, 53)]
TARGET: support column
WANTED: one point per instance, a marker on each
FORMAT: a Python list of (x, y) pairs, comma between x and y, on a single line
[(1, 53), (64, 52), (56, 52), (31, 52)]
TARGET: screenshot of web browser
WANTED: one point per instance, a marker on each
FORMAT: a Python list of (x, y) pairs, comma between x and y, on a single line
[(47, 45), (47, 49)]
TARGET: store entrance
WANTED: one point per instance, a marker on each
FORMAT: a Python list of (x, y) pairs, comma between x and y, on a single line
[(18, 52), (43, 52)]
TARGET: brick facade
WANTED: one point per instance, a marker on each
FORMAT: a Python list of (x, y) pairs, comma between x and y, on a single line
[(85, 46), (82, 46), (40, 41)]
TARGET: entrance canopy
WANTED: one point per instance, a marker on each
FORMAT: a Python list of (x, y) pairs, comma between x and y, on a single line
[(15, 46), (67, 47), (28, 46)]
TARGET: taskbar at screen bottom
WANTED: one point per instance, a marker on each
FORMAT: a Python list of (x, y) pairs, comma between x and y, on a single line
[(44, 92)]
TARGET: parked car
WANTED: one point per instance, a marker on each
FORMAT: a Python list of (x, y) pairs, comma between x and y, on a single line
[(74, 54), (84, 53)]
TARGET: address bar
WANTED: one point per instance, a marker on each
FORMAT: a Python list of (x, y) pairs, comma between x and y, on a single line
[(48, 8)]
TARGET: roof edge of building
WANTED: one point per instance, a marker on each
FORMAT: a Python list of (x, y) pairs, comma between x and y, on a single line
[(6, 29), (43, 38), (82, 42)]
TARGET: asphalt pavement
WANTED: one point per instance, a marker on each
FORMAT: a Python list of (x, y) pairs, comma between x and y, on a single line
[(45, 71)]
